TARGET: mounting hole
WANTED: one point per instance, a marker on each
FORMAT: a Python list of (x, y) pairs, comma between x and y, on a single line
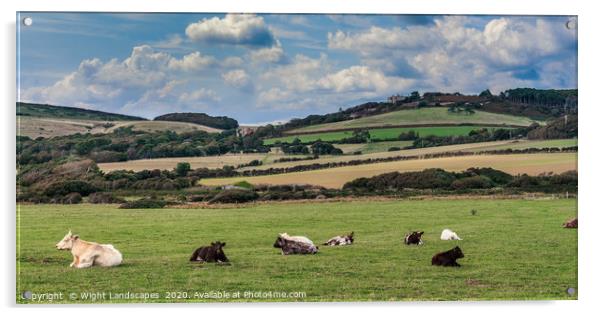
[(27, 21)]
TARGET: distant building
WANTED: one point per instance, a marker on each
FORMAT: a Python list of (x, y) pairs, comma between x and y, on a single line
[(243, 131), (396, 99)]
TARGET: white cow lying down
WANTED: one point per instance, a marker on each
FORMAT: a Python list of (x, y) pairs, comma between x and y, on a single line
[(447, 234), (301, 239), (86, 254)]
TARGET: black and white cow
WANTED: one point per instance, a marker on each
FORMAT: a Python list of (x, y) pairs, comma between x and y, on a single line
[(212, 253), (298, 245), (340, 240), (413, 238)]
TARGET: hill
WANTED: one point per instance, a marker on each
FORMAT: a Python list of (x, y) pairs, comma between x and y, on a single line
[(420, 117), (65, 112), (219, 122)]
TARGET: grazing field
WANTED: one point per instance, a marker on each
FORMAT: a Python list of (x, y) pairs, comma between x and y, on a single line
[(532, 164), (156, 245), (376, 147), (434, 116), (380, 133), (178, 127), (549, 143), (211, 162)]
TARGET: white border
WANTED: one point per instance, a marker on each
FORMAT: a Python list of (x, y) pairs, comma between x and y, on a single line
[(590, 115)]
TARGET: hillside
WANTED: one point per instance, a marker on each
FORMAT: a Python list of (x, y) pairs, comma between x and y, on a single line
[(425, 117), (219, 122), (64, 112)]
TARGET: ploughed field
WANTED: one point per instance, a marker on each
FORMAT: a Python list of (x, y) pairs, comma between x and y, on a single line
[(532, 164), (514, 249)]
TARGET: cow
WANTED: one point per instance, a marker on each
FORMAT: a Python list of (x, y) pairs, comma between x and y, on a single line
[(212, 253), (302, 239), (289, 245), (86, 254), (572, 223), (340, 240), (413, 238), (448, 234), (448, 258)]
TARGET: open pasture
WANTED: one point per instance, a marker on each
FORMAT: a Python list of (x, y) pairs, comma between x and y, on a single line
[(431, 116), (381, 133), (532, 164), (514, 249)]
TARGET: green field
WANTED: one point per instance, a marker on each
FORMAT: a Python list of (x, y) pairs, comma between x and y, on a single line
[(381, 133), (438, 115), (63, 112), (514, 250)]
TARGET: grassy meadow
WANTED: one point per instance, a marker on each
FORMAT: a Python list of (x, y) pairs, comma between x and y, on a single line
[(514, 250), (381, 133), (437, 115)]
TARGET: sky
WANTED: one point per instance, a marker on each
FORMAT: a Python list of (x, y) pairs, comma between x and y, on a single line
[(270, 68)]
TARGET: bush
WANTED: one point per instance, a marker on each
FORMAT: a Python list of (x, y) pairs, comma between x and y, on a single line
[(234, 196), (104, 198), (182, 169), (475, 182), (144, 203), (71, 198), (63, 188), (394, 149)]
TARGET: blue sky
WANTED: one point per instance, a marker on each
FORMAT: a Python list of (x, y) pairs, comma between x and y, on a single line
[(265, 68)]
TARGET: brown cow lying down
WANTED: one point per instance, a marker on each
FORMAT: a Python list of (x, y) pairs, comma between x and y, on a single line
[(340, 240), (572, 223), (448, 258), (413, 238), (295, 245), (212, 253), (86, 254)]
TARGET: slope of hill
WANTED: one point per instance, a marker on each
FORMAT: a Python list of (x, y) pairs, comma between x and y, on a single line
[(419, 117), (64, 112), (220, 122)]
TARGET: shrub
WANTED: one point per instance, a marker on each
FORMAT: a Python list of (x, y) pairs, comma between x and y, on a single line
[(144, 203), (475, 182), (104, 198), (394, 148), (234, 196), (71, 198), (63, 188), (182, 168)]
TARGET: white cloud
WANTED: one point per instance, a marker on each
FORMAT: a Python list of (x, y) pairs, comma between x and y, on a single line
[(192, 62), (237, 78), (236, 29), (232, 61), (355, 78), (272, 54), (198, 95)]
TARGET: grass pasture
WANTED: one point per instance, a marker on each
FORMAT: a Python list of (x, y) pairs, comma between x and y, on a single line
[(532, 164), (437, 115), (381, 133), (156, 245)]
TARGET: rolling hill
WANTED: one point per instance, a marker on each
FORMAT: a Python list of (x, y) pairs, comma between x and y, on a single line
[(436, 116), (64, 112)]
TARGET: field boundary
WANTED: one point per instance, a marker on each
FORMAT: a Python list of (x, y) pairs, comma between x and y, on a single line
[(293, 133)]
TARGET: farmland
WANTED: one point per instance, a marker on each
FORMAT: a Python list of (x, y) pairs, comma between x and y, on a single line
[(156, 245), (532, 164), (369, 150), (425, 116), (34, 127), (380, 133), (195, 162)]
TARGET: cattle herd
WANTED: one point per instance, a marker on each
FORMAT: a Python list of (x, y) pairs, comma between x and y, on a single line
[(86, 254)]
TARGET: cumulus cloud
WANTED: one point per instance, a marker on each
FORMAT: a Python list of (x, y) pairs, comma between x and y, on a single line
[(274, 54), (191, 62), (237, 78), (454, 54), (234, 29)]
